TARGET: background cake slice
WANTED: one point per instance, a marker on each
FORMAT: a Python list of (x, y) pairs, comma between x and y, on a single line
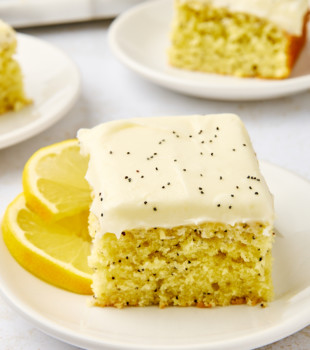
[(260, 38), (12, 95), (181, 214)]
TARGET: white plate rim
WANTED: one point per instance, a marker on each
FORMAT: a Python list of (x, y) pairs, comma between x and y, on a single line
[(261, 338), (243, 91), (39, 125)]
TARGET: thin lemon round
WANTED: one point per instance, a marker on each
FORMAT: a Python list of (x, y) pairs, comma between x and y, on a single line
[(56, 252), (54, 183)]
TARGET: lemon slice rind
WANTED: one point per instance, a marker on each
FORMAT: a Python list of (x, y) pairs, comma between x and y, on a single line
[(37, 261)]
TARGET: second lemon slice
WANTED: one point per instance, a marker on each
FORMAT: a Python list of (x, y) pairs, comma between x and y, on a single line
[(53, 181)]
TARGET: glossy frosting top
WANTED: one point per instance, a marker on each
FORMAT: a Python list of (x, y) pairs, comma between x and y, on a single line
[(287, 14), (173, 171)]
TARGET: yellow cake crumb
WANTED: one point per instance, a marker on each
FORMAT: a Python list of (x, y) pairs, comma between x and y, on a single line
[(12, 95)]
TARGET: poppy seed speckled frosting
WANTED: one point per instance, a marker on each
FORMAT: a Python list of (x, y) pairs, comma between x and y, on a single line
[(173, 171)]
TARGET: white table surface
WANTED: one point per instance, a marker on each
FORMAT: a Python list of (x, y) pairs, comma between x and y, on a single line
[(280, 131)]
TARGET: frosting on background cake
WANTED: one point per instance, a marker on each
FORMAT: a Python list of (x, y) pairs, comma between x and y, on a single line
[(287, 14)]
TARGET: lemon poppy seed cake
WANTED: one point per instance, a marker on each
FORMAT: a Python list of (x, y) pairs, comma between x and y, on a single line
[(181, 214), (12, 96), (259, 38)]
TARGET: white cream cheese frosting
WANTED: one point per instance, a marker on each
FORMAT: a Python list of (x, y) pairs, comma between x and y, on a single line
[(173, 171), (287, 14), (7, 35)]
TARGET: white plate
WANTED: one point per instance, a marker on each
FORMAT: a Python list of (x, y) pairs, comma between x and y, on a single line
[(52, 81), (140, 39), (68, 317)]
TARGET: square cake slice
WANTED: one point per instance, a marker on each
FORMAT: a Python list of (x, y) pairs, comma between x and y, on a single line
[(260, 38), (181, 214)]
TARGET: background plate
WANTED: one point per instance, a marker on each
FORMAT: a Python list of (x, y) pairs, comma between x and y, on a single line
[(140, 39), (52, 81)]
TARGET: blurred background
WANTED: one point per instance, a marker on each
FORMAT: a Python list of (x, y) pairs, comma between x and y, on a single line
[(26, 13)]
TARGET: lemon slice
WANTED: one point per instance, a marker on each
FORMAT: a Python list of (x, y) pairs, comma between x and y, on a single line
[(53, 251), (53, 181)]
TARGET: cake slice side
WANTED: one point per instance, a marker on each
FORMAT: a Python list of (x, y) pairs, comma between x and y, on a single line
[(205, 266)]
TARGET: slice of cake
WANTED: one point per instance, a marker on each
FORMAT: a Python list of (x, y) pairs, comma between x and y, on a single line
[(260, 38), (12, 95), (181, 214)]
